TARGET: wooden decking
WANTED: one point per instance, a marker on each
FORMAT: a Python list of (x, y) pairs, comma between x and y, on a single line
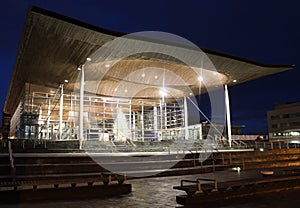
[(208, 190)]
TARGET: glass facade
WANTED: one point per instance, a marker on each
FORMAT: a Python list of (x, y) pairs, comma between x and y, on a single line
[(53, 114)]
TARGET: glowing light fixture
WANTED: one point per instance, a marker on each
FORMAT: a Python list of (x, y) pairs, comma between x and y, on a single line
[(66, 81), (88, 59), (234, 81), (155, 77), (107, 65), (163, 93), (200, 78), (143, 75)]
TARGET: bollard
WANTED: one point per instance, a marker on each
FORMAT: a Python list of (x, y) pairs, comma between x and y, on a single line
[(279, 145), (272, 145)]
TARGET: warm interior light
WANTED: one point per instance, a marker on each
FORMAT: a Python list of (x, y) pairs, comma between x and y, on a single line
[(66, 81), (234, 80), (200, 78), (107, 65), (88, 59), (162, 92), (143, 75), (155, 77)]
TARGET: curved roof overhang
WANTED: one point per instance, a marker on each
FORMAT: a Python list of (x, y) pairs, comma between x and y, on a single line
[(53, 45)]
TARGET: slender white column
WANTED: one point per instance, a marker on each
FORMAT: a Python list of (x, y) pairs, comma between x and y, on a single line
[(48, 117), (133, 125), (228, 120), (117, 121), (166, 116), (130, 123), (161, 116), (104, 115), (40, 136), (155, 126), (61, 105), (142, 122), (81, 101), (200, 131), (186, 117)]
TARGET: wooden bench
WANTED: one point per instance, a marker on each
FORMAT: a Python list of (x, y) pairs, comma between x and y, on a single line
[(192, 189), (223, 186), (73, 179)]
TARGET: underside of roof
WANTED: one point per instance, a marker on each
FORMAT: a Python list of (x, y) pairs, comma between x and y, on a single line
[(52, 47)]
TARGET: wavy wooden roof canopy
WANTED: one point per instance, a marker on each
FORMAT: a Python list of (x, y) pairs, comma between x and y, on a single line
[(52, 47)]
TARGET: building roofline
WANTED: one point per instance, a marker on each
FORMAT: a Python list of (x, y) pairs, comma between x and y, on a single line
[(118, 34)]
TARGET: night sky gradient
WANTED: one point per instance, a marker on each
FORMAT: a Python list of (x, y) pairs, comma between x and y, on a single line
[(266, 31)]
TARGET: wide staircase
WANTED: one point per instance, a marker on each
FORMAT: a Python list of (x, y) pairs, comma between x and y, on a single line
[(33, 169), (265, 159)]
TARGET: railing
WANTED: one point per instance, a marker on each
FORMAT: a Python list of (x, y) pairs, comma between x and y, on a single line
[(12, 166), (275, 145), (198, 180)]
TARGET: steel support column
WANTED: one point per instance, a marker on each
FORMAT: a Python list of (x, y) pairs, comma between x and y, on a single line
[(81, 107), (228, 120)]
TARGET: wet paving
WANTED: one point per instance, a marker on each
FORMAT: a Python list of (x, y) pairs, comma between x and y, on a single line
[(158, 192)]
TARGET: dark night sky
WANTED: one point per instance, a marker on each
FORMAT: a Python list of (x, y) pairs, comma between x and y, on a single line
[(263, 30)]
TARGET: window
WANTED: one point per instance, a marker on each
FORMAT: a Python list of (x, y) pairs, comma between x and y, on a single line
[(285, 116), (275, 117), (274, 126)]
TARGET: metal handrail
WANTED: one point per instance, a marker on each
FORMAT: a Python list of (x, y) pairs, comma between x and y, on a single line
[(12, 166)]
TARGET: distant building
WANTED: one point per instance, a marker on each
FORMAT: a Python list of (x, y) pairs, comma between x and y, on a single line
[(284, 121)]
